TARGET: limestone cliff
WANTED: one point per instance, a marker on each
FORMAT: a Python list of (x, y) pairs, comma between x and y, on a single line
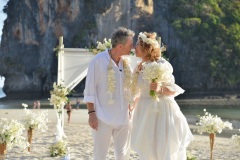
[(32, 28)]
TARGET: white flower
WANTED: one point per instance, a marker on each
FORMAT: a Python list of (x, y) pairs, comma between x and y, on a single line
[(130, 81), (211, 124), (58, 96), (107, 44), (157, 72), (111, 79), (11, 134), (148, 40), (235, 141), (111, 82), (24, 105), (35, 120), (58, 149)]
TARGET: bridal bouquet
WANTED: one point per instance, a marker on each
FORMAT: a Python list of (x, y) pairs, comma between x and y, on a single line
[(32, 120), (156, 72), (235, 140), (101, 46), (11, 134), (59, 96), (211, 124)]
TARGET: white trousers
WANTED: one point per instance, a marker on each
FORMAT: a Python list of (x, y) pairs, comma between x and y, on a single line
[(102, 140)]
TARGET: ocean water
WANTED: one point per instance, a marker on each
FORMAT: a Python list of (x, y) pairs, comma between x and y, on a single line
[(2, 94)]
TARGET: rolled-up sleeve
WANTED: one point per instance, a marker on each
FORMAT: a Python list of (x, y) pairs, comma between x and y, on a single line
[(91, 81)]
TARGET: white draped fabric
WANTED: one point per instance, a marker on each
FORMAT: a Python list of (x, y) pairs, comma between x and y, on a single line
[(72, 69), (73, 64)]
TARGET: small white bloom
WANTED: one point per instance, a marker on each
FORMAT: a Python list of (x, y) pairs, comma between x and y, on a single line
[(24, 105), (211, 124)]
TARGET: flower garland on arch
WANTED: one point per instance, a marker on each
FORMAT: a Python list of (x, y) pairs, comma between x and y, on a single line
[(59, 96)]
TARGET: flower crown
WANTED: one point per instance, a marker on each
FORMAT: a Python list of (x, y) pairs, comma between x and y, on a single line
[(149, 40)]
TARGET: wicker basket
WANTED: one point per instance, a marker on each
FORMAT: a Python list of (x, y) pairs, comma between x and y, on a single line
[(3, 151), (30, 133)]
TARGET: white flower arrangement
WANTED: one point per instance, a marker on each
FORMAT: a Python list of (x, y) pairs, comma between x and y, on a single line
[(38, 120), (102, 46), (59, 96), (58, 149), (11, 133), (156, 72), (24, 105), (235, 140), (211, 124)]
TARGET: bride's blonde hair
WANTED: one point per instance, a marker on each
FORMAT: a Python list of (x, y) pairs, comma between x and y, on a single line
[(150, 45)]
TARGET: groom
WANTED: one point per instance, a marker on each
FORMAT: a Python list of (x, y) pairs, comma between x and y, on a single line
[(107, 106)]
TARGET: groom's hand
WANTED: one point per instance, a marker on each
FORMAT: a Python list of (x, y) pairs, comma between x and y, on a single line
[(93, 121)]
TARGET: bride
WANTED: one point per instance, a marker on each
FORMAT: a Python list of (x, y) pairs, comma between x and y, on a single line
[(161, 134)]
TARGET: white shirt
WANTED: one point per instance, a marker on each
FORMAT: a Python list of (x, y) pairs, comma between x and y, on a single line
[(96, 90)]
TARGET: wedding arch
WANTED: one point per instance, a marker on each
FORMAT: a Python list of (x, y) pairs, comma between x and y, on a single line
[(72, 69)]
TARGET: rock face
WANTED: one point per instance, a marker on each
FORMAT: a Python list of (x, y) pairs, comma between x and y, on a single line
[(32, 28)]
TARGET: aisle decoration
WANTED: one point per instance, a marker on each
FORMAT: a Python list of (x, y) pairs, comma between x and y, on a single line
[(190, 156), (24, 105), (58, 99), (58, 149), (211, 124), (11, 135), (156, 72), (235, 140), (34, 120)]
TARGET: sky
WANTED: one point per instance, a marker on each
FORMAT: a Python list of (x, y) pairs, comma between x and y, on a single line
[(3, 16)]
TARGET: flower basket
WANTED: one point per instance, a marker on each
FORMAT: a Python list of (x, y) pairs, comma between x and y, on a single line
[(211, 137), (211, 124), (11, 135), (3, 150), (30, 133)]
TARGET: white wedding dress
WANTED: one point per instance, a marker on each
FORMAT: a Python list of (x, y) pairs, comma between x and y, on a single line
[(161, 135)]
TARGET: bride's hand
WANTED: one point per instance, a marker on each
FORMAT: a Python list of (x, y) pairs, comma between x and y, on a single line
[(161, 90), (154, 86)]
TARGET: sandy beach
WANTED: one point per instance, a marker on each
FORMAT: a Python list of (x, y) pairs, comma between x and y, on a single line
[(81, 146)]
